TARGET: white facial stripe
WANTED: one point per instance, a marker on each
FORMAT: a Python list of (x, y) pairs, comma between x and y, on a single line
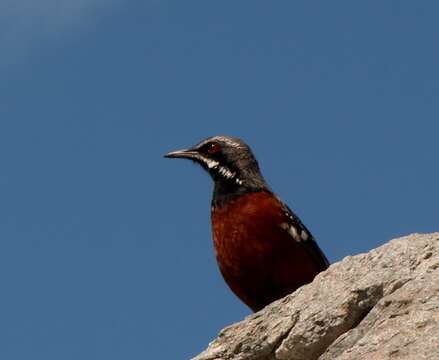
[(211, 164), (226, 172), (214, 165), (221, 170)]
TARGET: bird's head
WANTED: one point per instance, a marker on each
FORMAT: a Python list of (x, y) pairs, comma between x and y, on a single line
[(229, 161)]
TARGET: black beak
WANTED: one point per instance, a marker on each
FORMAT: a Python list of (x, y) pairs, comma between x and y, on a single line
[(183, 154)]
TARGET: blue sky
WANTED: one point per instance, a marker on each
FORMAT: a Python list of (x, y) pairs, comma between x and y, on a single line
[(105, 247)]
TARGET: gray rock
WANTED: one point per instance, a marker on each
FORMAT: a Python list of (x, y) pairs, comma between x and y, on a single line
[(379, 305)]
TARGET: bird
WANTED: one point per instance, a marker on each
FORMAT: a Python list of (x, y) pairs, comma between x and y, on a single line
[(263, 250)]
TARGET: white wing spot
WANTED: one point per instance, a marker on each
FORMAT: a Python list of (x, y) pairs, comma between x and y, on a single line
[(297, 234), (284, 226), (304, 235), (293, 232)]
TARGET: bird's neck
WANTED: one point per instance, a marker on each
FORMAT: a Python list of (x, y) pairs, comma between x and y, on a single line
[(226, 190)]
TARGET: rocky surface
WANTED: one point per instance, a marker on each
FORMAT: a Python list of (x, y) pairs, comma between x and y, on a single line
[(379, 305)]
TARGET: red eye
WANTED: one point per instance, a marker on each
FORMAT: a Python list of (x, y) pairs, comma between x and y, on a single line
[(213, 148)]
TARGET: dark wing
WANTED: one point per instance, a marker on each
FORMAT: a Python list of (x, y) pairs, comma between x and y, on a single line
[(301, 234)]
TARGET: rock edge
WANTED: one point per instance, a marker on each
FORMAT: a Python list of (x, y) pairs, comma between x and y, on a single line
[(380, 305)]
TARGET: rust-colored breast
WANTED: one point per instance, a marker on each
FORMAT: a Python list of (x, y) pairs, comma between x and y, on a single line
[(258, 258)]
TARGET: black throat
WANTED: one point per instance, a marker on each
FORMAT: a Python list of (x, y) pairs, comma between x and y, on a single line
[(226, 190)]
